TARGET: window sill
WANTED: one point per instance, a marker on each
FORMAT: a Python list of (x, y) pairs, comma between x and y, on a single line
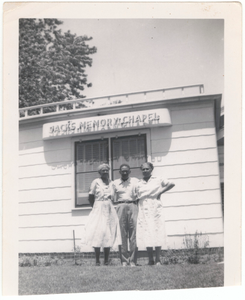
[(81, 208), (86, 208)]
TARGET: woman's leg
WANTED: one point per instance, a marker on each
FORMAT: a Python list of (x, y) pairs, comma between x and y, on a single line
[(158, 253), (150, 255), (97, 255), (106, 255)]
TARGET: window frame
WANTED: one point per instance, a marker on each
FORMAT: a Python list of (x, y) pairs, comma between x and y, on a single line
[(123, 137), (98, 136), (75, 165)]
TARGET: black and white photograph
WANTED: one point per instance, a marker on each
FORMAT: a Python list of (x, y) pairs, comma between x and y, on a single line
[(120, 166)]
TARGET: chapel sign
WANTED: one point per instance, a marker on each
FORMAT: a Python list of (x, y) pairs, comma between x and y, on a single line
[(122, 121)]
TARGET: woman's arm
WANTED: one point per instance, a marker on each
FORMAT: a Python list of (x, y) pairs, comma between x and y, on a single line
[(91, 199), (166, 188), (91, 192), (113, 196)]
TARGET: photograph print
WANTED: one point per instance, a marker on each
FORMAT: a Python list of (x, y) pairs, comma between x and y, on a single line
[(121, 155)]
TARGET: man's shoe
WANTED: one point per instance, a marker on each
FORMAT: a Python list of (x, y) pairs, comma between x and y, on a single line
[(158, 264), (132, 264), (124, 264), (97, 264), (151, 263)]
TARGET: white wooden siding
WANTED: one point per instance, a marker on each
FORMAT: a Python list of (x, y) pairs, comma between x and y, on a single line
[(183, 130), (41, 145), (41, 246), (194, 212), (185, 153), (190, 198), (47, 157), (59, 168), (45, 194), (195, 184), (176, 241), (30, 134), (193, 170), (184, 114), (45, 182), (184, 157), (186, 226), (184, 143), (43, 207), (58, 219), (50, 233), (66, 245)]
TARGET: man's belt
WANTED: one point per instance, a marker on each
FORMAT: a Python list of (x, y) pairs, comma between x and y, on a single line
[(125, 201)]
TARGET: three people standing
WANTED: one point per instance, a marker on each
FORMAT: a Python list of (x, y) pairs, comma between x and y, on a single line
[(138, 215)]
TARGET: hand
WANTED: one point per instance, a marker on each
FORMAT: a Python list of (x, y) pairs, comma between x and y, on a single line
[(159, 196)]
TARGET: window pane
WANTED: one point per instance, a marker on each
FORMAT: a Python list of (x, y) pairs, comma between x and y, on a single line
[(89, 155), (130, 150), (96, 156), (88, 159), (133, 153), (125, 152), (83, 182), (116, 154), (141, 151), (134, 173)]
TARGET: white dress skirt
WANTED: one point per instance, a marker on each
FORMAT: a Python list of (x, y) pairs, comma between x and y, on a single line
[(151, 222), (102, 228)]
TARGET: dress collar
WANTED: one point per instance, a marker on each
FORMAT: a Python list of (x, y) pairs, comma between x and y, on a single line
[(122, 181), (102, 182), (143, 180)]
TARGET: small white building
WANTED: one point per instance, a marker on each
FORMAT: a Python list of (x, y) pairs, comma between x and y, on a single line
[(176, 129)]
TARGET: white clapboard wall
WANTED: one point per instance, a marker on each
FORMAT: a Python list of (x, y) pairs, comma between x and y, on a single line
[(185, 153)]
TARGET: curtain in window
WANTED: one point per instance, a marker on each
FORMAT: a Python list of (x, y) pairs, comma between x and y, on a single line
[(89, 155), (129, 150)]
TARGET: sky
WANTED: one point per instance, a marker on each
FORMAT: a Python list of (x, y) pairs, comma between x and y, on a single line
[(145, 54)]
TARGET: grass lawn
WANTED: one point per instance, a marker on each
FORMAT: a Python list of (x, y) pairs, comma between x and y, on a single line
[(71, 278)]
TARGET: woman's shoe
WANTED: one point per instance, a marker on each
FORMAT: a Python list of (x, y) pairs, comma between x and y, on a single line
[(106, 263), (97, 264), (158, 264)]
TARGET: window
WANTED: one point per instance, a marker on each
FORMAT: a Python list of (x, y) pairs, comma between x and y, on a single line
[(90, 154), (129, 150)]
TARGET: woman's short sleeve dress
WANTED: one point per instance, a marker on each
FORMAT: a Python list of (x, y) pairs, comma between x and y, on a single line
[(150, 223), (102, 228)]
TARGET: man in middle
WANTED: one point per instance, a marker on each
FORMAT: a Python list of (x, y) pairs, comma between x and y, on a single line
[(125, 198)]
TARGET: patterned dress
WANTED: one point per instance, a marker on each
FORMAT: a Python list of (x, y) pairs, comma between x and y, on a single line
[(102, 228), (150, 222)]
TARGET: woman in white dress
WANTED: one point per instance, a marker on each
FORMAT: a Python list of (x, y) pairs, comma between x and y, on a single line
[(150, 222), (102, 229)]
